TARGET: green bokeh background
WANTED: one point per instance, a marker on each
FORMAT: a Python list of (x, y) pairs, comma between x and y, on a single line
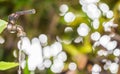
[(47, 21)]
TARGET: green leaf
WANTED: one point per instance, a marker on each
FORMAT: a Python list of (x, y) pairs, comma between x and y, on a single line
[(71, 49), (3, 25), (7, 65)]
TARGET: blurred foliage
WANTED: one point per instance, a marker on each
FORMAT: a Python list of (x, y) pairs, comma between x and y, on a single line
[(47, 20), (7, 65), (3, 25)]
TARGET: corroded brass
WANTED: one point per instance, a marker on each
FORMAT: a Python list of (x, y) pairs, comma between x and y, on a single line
[(12, 18)]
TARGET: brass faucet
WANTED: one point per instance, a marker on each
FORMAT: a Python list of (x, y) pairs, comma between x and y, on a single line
[(12, 18)]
